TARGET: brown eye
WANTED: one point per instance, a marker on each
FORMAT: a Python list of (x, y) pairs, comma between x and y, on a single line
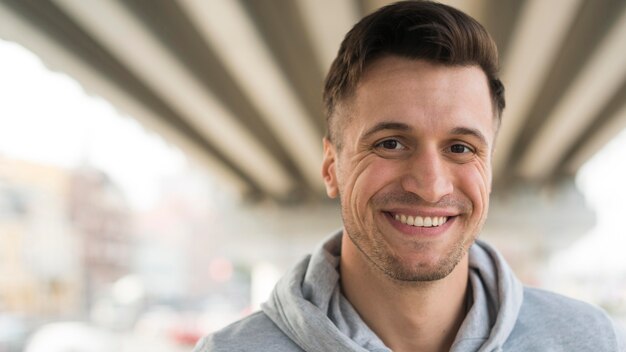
[(459, 149), (390, 144)]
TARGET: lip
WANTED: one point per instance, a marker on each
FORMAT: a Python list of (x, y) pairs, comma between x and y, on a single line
[(423, 212), (415, 231)]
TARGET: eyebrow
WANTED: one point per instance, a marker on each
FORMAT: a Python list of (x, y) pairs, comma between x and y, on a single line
[(386, 126), (465, 131)]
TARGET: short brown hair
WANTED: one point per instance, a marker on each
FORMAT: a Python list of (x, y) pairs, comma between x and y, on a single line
[(417, 30)]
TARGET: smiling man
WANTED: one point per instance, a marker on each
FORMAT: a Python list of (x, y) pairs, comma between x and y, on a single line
[(413, 104)]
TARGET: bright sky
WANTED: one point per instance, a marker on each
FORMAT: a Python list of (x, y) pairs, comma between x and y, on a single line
[(601, 252), (49, 118)]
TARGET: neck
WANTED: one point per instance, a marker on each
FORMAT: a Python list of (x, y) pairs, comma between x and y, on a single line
[(406, 316)]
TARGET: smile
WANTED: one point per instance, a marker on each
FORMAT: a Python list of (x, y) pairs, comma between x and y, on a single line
[(421, 221)]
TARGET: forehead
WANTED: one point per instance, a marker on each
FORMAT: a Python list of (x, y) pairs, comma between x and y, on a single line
[(422, 93)]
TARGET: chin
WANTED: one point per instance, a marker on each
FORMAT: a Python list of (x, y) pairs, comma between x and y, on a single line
[(420, 268)]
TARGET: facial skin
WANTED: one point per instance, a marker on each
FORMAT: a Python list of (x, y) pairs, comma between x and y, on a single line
[(417, 141)]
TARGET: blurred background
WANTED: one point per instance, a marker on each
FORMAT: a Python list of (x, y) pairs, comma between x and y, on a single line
[(159, 160)]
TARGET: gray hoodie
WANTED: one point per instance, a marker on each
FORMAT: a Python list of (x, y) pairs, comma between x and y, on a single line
[(308, 312)]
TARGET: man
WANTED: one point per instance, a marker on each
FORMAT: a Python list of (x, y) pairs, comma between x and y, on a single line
[(413, 105)]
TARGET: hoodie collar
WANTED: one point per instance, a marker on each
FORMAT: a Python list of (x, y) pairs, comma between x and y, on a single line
[(308, 306), (496, 302)]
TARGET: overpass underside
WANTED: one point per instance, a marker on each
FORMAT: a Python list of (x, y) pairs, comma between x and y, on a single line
[(237, 84)]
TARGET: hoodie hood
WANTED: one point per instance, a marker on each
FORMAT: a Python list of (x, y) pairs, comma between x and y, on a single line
[(308, 306), (496, 302)]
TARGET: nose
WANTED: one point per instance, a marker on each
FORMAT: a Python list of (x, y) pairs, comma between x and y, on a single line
[(428, 177)]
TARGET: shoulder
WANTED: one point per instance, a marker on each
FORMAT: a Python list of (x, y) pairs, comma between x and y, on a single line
[(550, 302), (550, 319), (253, 333), (554, 307)]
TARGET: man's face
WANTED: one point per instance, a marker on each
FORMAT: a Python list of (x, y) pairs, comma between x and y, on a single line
[(414, 170)]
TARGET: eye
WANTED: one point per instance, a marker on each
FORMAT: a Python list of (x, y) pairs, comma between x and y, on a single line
[(390, 144), (460, 149)]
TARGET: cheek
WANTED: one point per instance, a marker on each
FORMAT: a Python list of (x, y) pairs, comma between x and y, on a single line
[(475, 183), (368, 178)]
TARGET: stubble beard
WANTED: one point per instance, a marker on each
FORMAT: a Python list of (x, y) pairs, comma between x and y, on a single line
[(393, 266)]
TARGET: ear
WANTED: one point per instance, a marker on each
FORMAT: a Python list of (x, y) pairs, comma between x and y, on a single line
[(328, 169)]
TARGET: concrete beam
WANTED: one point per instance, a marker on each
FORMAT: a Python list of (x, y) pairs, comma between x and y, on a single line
[(282, 28), (474, 8), (590, 91), (162, 72), (535, 42), (614, 125), (15, 28), (327, 22), (226, 27)]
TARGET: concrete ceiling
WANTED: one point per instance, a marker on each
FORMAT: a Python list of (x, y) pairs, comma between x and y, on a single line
[(237, 83)]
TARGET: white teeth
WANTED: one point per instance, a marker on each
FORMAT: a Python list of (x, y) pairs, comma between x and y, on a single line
[(421, 221)]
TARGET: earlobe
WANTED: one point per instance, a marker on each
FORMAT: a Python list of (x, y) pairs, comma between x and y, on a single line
[(328, 169)]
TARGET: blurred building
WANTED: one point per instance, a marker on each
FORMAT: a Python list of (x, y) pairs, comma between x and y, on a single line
[(181, 251), (40, 274), (65, 238), (101, 215)]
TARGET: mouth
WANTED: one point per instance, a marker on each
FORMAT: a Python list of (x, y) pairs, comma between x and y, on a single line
[(415, 224), (420, 221)]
